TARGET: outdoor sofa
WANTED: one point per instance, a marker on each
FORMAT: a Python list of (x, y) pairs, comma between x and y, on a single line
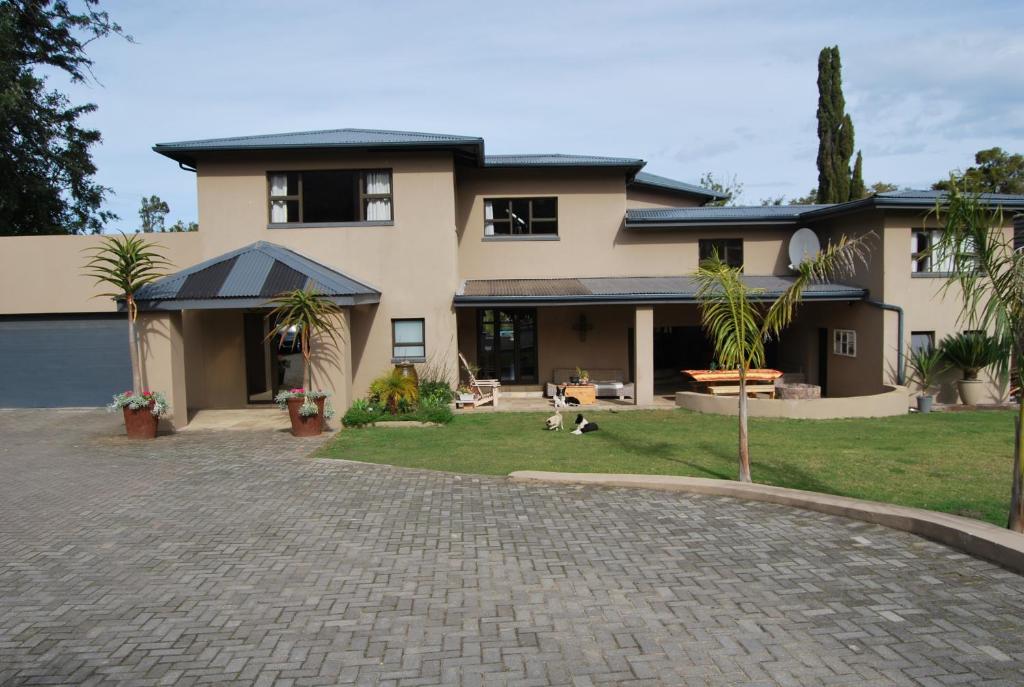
[(607, 383)]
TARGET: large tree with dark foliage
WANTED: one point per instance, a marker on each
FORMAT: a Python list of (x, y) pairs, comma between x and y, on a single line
[(835, 131), (995, 171), (46, 168)]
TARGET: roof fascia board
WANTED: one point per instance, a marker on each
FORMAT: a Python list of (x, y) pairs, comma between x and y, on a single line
[(674, 224), (235, 303), (477, 301)]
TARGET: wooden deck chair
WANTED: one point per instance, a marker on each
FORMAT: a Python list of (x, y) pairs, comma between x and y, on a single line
[(484, 390)]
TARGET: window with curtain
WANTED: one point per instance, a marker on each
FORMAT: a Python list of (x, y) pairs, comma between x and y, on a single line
[(407, 339), (330, 196), (925, 255), (922, 341), (521, 216)]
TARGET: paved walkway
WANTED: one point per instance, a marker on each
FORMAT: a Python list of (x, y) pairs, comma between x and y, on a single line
[(230, 557)]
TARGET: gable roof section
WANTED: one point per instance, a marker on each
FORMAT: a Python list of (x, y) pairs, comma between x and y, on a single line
[(648, 180), (353, 139), (625, 290), (247, 278), (648, 218)]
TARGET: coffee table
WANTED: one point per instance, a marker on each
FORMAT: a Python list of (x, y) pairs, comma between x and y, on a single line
[(586, 394)]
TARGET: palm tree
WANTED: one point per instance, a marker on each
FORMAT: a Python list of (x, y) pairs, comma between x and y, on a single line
[(393, 388), (988, 276), (127, 263), (309, 313), (739, 327)]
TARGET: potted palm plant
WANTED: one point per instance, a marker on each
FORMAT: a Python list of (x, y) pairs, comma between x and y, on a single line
[(127, 263), (926, 364), (972, 352), (311, 316)]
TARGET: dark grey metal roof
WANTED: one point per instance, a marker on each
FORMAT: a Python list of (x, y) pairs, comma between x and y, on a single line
[(770, 214), (560, 160), (185, 151), (649, 218), (247, 278), (682, 289), (660, 182)]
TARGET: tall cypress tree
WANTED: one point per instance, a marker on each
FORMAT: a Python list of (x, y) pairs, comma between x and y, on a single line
[(835, 130), (857, 188)]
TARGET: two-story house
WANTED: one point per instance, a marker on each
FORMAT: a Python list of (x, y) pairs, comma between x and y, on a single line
[(526, 264)]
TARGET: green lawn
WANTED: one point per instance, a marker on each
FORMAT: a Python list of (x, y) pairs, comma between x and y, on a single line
[(954, 462)]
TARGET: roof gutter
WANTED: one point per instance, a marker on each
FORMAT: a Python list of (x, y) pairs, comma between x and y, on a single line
[(901, 376), (635, 299)]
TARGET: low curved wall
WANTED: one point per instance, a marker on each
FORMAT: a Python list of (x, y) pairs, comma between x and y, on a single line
[(893, 401)]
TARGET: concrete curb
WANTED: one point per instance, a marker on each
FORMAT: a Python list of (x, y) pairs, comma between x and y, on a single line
[(977, 538)]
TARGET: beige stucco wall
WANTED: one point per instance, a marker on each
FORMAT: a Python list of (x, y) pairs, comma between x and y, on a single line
[(163, 363), (44, 274), (592, 241), (413, 262), (890, 401), (637, 197)]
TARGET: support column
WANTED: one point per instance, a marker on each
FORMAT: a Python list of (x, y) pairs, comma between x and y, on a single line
[(332, 362), (643, 351), (162, 355)]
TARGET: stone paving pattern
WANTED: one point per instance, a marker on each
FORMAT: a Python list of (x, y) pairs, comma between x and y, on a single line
[(235, 558)]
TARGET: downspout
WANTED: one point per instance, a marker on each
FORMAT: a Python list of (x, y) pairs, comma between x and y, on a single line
[(901, 377)]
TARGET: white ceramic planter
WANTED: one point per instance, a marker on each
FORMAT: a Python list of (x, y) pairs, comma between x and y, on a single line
[(972, 391)]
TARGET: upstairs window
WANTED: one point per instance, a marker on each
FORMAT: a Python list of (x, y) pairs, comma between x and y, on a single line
[(521, 217), (330, 197), (730, 251)]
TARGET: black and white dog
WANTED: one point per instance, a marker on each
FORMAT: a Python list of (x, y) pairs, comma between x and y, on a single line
[(561, 400), (583, 425)]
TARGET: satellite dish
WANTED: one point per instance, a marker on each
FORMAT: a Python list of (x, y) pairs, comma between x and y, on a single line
[(802, 246)]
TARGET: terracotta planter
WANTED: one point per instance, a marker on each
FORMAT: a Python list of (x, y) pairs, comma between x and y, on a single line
[(141, 423), (306, 426), (972, 391)]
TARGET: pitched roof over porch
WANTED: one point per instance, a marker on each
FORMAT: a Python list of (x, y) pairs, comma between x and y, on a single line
[(247, 278), (627, 290)]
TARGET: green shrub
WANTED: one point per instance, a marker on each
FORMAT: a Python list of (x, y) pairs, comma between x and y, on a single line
[(436, 391), (395, 391), (362, 413), (441, 413)]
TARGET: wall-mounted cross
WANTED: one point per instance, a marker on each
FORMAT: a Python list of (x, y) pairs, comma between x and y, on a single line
[(582, 326)]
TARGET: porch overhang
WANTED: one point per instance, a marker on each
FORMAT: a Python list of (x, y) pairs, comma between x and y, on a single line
[(627, 291), (248, 278)]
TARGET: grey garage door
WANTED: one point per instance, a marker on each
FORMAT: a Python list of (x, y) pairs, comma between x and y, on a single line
[(63, 360)]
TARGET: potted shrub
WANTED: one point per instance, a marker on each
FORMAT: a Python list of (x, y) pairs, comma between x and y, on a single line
[(127, 263), (972, 352), (582, 375), (926, 364), (142, 412), (466, 394), (307, 315)]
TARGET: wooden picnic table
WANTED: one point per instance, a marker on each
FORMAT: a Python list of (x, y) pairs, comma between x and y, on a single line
[(726, 382)]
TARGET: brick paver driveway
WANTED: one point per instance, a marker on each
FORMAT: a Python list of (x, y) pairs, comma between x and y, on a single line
[(233, 557)]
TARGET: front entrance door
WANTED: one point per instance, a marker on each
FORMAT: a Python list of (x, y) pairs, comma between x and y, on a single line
[(507, 345)]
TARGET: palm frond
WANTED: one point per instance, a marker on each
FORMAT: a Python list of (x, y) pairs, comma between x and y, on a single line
[(729, 317), (837, 260)]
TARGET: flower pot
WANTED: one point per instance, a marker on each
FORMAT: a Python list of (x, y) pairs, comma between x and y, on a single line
[(467, 398), (309, 426), (924, 404), (972, 391), (140, 423)]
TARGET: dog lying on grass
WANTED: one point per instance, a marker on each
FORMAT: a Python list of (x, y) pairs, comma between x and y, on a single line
[(583, 426), (554, 423)]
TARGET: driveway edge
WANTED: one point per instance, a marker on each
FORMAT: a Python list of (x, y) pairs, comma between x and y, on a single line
[(974, 537)]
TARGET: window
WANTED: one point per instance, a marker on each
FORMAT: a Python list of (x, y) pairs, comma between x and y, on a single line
[(330, 196), (507, 345), (844, 342), (407, 340), (925, 257), (521, 217), (730, 251), (922, 341)]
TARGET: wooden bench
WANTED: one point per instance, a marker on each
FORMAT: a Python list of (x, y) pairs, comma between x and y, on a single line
[(734, 390)]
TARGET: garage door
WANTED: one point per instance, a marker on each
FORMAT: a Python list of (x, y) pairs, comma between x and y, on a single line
[(65, 360)]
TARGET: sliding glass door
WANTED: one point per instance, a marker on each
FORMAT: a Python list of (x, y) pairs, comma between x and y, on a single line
[(507, 345)]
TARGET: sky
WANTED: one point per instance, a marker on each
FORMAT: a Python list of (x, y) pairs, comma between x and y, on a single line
[(688, 86)]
